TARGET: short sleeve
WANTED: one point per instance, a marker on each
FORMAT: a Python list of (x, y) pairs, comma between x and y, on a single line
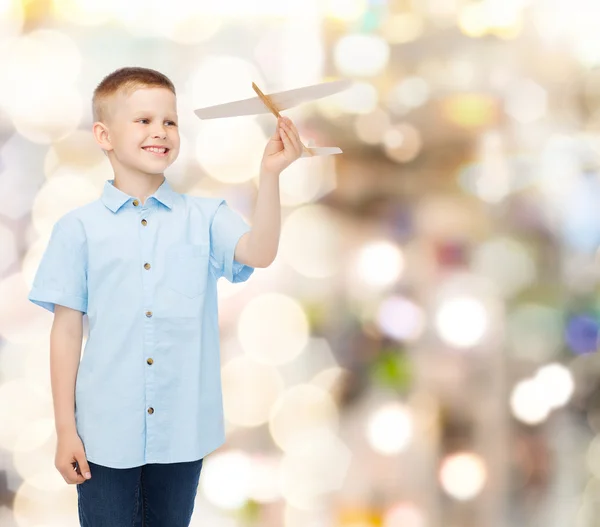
[(61, 277), (226, 228)]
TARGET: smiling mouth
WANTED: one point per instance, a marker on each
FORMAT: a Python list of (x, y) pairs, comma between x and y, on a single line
[(159, 152)]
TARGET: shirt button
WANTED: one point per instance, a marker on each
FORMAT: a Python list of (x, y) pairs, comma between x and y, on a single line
[(135, 202), (150, 361), (144, 223), (150, 410), (148, 314), (147, 266)]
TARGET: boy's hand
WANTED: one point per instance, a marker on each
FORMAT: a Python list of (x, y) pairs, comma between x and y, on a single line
[(69, 452), (283, 148)]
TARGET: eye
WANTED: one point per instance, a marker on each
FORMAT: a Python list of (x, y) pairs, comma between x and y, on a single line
[(172, 123), (140, 120)]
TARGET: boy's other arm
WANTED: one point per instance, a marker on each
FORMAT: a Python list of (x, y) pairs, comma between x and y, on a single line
[(66, 339)]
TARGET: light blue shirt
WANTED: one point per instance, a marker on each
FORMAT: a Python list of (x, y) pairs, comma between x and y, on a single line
[(148, 387)]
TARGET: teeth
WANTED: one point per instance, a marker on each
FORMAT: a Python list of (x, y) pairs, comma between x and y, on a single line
[(157, 150)]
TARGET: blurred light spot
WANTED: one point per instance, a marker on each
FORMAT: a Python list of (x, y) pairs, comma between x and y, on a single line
[(20, 320), (33, 506), (371, 127), (535, 332), (556, 382), (227, 478), (398, 28), (390, 429), (273, 329), (461, 322), (463, 475), (17, 192), (249, 391), (296, 517), (302, 182), (361, 55), (299, 413), (529, 402), (402, 142), (449, 217), (360, 98), (78, 153), (82, 12), (470, 110), (401, 319), (8, 250), (223, 79), (593, 457), (42, 99), (11, 21), (380, 264), (404, 515), (265, 486), (526, 101), (21, 402), (310, 241), (345, 10), (230, 150), (58, 196), (412, 92), (506, 263), (581, 334), (316, 466)]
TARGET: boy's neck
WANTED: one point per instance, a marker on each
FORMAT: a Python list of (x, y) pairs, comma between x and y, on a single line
[(140, 187)]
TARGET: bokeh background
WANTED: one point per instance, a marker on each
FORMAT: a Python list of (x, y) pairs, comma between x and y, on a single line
[(422, 351)]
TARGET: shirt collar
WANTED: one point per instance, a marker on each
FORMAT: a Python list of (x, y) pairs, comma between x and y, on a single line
[(115, 198)]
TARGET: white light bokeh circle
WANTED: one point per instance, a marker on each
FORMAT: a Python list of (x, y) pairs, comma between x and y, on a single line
[(58, 196), (361, 55), (316, 466), (227, 479), (556, 381), (220, 79), (404, 515), (21, 402), (380, 264), (249, 391), (310, 241), (462, 322), (463, 475), (401, 319), (390, 429), (529, 402), (230, 150), (299, 413), (360, 98), (273, 329)]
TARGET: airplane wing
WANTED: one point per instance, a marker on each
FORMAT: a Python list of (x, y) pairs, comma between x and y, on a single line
[(250, 106), (321, 151), (290, 98), (282, 100)]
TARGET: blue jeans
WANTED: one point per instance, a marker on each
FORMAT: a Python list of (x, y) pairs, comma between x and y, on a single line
[(153, 495)]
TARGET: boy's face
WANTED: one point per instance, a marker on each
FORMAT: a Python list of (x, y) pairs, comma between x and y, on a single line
[(143, 119)]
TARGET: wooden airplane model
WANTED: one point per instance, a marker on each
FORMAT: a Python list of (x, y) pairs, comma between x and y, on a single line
[(276, 102)]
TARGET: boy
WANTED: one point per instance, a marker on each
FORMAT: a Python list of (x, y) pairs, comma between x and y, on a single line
[(135, 419)]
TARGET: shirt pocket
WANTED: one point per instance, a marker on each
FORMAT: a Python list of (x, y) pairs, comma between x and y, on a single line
[(187, 269)]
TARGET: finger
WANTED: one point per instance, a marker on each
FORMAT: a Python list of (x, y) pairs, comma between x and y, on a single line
[(294, 142), (287, 142), (293, 128), (70, 476), (276, 136), (84, 468)]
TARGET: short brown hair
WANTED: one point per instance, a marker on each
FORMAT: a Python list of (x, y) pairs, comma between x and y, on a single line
[(126, 80)]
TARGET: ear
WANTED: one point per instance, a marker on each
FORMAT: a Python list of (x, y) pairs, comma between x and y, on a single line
[(100, 131)]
